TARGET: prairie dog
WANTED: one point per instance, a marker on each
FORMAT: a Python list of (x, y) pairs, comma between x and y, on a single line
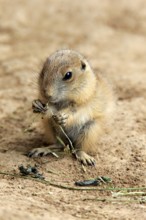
[(81, 100)]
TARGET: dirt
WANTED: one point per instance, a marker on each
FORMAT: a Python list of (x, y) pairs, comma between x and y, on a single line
[(112, 35)]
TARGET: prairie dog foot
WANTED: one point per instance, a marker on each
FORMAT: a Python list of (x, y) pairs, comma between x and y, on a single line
[(84, 158), (44, 151)]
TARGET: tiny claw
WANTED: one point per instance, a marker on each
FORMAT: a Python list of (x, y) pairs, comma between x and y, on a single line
[(43, 151), (84, 158), (38, 106), (41, 154), (29, 154), (91, 162)]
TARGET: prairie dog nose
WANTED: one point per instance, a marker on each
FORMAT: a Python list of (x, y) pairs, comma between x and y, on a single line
[(49, 97)]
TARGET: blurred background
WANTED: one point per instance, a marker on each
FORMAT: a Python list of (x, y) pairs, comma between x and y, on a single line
[(111, 34)]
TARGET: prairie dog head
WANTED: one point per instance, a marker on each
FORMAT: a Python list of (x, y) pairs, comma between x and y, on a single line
[(66, 76)]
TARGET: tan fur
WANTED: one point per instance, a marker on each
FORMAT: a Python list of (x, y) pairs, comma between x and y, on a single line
[(89, 95)]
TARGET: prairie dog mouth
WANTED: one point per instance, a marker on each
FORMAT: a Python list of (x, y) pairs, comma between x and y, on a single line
[(55, 101)]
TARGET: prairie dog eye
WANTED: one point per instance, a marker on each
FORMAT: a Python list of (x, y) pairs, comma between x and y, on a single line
[(67, 76)]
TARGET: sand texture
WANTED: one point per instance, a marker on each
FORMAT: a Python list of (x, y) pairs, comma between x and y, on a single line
[(112, 36)]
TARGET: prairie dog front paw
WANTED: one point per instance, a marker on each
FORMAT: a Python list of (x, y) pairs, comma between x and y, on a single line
[(60, 118), (46, 109), (38, 106)]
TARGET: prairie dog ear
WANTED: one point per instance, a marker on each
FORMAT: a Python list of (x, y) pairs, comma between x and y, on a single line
[(83, 65), (45, 67)]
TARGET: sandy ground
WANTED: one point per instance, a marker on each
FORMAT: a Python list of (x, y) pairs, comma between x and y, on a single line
[(112, 35)]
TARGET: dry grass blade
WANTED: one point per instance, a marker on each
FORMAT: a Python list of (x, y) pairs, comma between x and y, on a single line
[(131, 194), (46, 182), (70, 142)]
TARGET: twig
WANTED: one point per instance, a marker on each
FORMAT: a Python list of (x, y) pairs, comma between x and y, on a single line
[(60, 141), (52, 172), (116, 200), (70, 142), (101, 179), (117, 194), (141, 201), (46, 182)]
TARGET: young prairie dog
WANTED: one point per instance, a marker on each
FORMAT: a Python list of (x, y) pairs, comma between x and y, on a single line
[(81, 101)]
